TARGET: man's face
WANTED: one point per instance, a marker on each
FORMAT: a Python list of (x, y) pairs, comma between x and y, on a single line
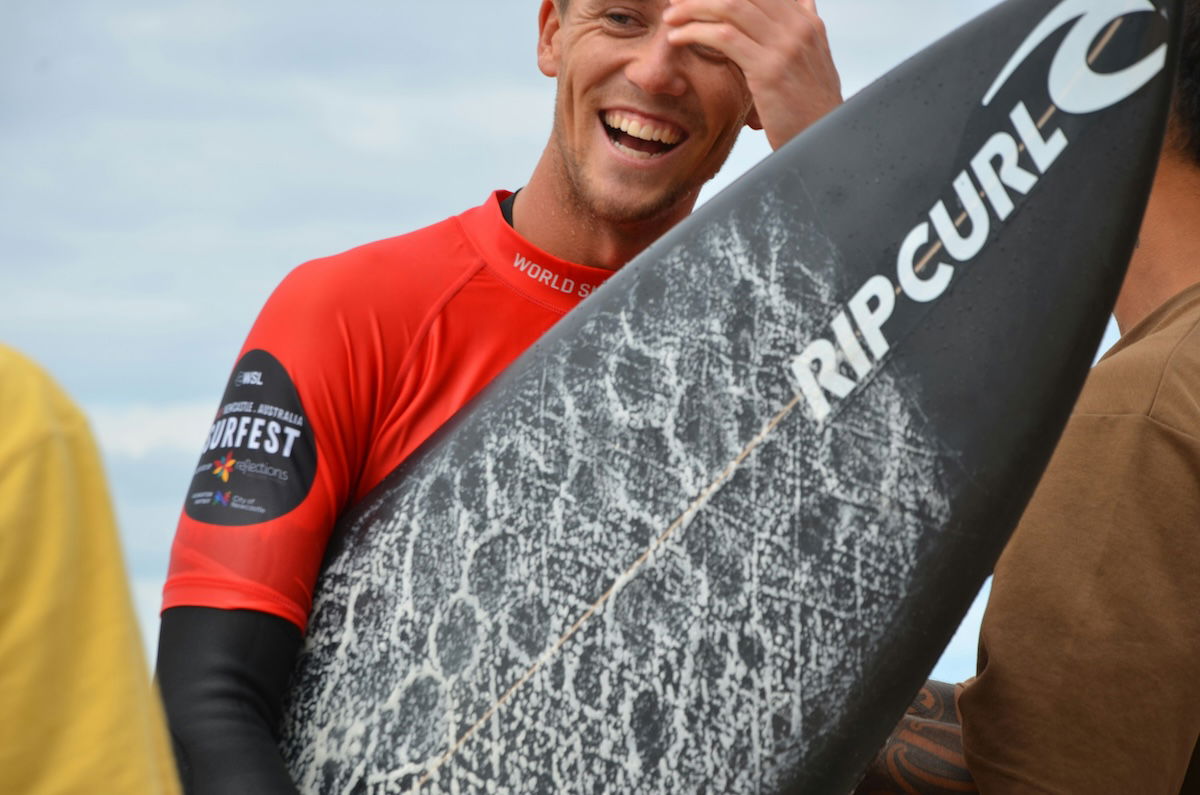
[(639, 125)]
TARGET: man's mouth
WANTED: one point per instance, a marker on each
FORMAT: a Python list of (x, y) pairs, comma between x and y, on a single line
[(640, 137)]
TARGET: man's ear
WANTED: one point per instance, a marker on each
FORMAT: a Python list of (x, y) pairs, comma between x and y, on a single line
[(549, 24), (752, 120)]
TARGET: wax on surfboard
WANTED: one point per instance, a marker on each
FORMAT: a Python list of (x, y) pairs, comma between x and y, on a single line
[(712, 531)]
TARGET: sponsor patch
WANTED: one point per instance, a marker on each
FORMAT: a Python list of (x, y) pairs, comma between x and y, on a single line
[(260, 455)]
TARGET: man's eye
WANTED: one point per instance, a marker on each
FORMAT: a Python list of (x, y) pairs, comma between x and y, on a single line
[(620, 19), (709, 53)]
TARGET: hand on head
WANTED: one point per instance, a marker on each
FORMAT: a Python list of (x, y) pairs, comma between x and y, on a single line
[(780, 46)]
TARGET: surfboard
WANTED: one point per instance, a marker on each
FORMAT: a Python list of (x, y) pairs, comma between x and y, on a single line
[(712, 531)]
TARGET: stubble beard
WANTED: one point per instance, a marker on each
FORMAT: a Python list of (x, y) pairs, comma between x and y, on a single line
[(637, 208)]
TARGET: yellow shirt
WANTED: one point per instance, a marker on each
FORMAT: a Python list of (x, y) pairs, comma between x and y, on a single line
[(79, 714)]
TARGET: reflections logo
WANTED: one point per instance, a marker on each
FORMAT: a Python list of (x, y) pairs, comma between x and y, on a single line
[(223, 466)]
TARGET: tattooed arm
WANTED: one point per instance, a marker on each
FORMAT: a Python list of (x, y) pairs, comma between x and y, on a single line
[(924, 755)]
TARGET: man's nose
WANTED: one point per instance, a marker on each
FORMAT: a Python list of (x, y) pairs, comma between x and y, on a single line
[(656, 66)]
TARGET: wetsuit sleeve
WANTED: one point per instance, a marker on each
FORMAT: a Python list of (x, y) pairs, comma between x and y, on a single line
[(223, 674)]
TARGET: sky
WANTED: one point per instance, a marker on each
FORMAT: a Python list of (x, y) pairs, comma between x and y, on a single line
[(166, 164)]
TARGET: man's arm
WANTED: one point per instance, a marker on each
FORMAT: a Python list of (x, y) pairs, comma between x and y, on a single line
[(780, 46), (925, 752), (240, 581), (223, 675)]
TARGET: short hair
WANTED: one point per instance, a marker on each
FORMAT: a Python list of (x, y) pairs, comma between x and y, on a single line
[(1186, 110)]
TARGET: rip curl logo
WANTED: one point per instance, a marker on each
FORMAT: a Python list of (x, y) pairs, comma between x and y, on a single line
[(833, 368), (1074, 86), (223, 466)]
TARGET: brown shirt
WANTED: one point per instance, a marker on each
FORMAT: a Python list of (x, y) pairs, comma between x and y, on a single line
[(1089, 656)]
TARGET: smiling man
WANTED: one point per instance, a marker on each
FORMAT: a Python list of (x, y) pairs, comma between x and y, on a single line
[(356, 359), (651, 97)]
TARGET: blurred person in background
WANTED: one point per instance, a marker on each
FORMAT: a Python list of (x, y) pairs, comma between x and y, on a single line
[(80, 712)]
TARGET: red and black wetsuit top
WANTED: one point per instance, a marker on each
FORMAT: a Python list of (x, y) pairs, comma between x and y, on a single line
[(354, 361)]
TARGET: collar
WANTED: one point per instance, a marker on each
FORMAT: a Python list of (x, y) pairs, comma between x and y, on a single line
[(529, 270)]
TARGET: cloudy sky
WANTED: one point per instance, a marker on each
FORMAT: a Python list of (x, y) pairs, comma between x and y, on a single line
[(165, 164)]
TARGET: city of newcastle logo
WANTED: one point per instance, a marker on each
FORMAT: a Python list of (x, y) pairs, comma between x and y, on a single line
[(260, 446), (989, 189)]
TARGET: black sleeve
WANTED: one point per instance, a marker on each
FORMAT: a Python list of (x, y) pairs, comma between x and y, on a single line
[(223, 674)]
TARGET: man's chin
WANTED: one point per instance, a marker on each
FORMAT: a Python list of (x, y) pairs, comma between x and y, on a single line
[(636, 206)]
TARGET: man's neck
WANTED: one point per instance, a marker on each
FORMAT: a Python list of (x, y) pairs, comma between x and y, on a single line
[(1167, 259), (547, 215)]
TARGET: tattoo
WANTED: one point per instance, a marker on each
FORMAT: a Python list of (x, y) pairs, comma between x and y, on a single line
[(935, 702), (924, 755)]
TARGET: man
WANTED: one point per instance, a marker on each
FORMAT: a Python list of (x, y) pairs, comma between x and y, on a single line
[(80, 714), (1089, 661), (356, 359)]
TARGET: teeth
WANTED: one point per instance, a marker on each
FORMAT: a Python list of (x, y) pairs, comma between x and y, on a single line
[(634, 153), (646, 131)]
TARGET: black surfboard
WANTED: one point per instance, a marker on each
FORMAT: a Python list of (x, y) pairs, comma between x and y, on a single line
[(713, 530)]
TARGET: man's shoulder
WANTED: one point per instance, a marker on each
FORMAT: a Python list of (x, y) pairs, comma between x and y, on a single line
[(429, 257), (1155, 372), (416, 270)]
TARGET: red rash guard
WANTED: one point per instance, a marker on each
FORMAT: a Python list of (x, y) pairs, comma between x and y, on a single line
[(354, 361)]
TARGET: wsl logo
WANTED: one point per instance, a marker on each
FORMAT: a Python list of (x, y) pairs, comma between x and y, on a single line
[(988, 190), (248, 378)]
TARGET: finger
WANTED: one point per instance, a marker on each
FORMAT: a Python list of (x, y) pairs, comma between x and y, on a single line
[(795, 22), (722, 37), (745, 15), (780, 10), (775, 24), (805, 10)]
